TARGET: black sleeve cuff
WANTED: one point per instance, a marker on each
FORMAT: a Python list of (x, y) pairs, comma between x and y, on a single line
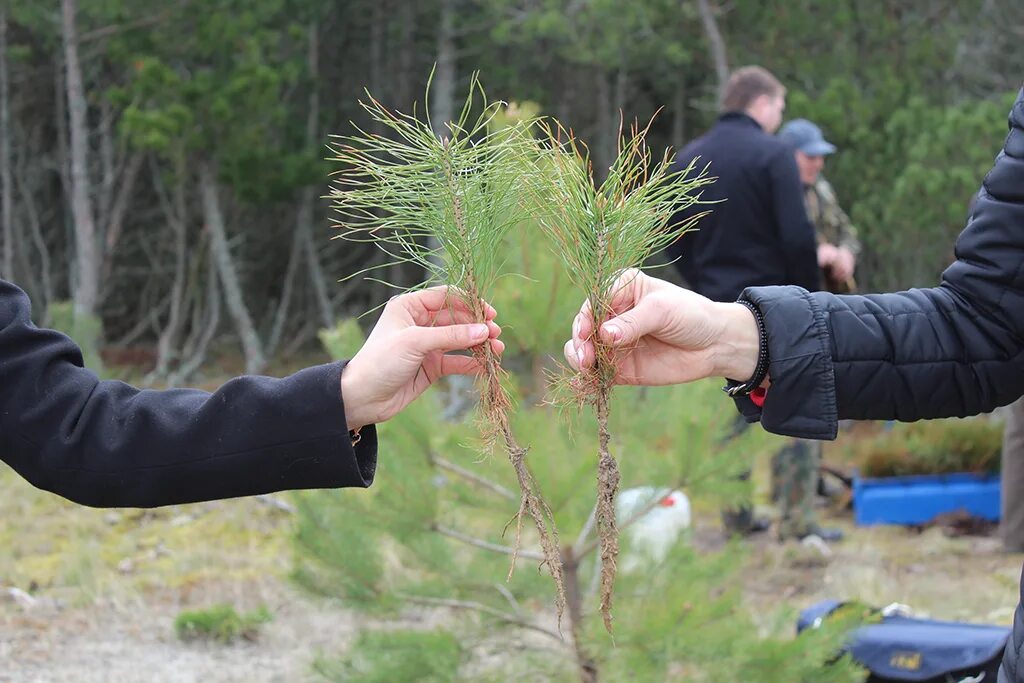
[(802, 399)]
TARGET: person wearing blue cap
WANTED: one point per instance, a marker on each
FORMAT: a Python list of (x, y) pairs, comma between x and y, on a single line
[(756, 233), (838, 246)]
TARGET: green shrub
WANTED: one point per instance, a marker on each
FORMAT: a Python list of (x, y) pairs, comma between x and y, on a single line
[(935, 447), (220, 623)]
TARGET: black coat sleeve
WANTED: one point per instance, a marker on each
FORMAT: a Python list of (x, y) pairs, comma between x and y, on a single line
[(107, 444), (953, 350), (796, 233)]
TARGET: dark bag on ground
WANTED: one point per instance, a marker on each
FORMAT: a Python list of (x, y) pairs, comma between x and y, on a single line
[(905, 648)]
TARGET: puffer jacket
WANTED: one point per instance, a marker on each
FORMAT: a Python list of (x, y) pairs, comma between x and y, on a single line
[(953, 350)]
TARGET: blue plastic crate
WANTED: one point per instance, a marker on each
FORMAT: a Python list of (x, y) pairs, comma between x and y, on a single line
[(919, 499)]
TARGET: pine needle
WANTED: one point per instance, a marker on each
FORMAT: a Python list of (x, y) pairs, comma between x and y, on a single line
[(600, 231), (461, 192)]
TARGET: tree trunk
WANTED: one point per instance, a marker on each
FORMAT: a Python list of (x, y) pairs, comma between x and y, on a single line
[(118, 210), (35, 225), (176, 215), (281, 314), (377, 23), (205, 327), (307, 205), (574, 602), (6, 182), (316, 272), (406, 55), (679, 114), (716, 44), (442, 111), (442, 95), (604, 151), (233, 297), (86, 291)]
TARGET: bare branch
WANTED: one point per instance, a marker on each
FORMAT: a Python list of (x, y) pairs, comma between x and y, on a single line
[(485, 545), (486, 609), (475, 478), (276, 503)]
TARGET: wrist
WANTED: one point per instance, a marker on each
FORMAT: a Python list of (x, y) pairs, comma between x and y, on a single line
[(355, 416), (737, 345)]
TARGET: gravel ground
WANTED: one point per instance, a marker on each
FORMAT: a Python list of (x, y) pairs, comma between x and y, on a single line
[(119, 643)]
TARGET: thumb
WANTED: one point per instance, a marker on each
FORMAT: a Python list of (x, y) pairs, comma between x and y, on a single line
[(628, 328), (447, 337)]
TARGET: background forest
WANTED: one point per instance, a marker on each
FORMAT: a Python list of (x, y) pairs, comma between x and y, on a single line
[(161, 165)]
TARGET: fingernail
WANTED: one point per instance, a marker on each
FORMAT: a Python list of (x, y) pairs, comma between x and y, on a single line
[(613, 332), (478, 331), (579, 357), (576, 328)]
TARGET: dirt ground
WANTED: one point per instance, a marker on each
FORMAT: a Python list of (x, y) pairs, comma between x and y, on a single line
[(104, 587)]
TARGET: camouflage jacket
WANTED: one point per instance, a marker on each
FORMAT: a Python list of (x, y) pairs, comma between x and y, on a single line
[(831, 223)]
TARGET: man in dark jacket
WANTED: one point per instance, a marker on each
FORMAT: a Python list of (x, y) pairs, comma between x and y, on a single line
[(107, 444), (953, 350), (758, 233)]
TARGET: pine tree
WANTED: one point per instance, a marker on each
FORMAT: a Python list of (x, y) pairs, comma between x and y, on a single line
[(428, 535)]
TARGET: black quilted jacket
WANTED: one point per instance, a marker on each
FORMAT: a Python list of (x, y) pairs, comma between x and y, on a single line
[(953, 350)]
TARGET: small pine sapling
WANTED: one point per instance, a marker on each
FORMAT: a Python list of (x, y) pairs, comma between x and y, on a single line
[(408, 190), (599, 232)]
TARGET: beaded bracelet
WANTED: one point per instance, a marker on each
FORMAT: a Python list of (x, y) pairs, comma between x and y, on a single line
[(734, 388)]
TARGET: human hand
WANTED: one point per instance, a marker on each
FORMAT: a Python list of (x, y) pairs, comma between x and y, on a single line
[(664, 334), (827, 254), (406, 353), (843, 264)]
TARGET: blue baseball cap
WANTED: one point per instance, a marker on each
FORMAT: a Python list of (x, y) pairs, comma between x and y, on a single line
[(803, 135)]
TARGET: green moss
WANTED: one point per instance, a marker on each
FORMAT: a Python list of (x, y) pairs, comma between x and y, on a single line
[(220, 623)]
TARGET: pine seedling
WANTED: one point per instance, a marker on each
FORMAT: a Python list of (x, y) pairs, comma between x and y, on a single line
[(599, 232), (461, 193)]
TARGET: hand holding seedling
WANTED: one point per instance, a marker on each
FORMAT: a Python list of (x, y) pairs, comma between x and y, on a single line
[(664, 334), (407, 352)]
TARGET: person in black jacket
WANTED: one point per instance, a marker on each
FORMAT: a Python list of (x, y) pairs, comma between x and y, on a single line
[(952, 350), (758, 232), (107, 444)]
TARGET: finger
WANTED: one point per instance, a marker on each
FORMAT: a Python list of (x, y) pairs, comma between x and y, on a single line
[(497, 346), (494, 330), (451, 317), (447, 338), (645, 318), (570, 355), (579, 357), (586, 355), (583, 326), (460, 365), (627, 289), (426, 302)]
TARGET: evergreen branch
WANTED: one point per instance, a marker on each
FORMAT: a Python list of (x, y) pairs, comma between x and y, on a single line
[(598, 232), (462, 193), (485, 545)]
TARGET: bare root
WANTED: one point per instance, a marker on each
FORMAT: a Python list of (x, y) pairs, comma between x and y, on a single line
[(494, 407), (607, 529)]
